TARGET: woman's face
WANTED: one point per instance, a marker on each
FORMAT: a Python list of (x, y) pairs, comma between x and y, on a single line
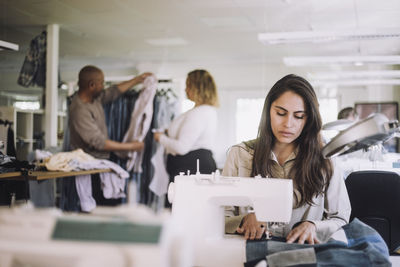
[(288, 117)]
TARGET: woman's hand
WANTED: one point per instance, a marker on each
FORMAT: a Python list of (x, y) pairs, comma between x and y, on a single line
[(251, 228), (303, 232)]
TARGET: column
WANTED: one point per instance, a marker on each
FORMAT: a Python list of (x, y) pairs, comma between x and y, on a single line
[(51, 108)]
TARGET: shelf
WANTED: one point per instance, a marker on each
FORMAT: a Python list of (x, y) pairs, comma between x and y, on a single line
[(27, 124), (30, 111), (25, 140), (13, 175), (43, 175)]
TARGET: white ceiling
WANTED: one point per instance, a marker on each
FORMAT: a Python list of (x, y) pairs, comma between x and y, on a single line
[(123, 33)]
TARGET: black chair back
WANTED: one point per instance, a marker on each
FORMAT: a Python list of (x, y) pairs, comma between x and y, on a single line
[(375, 200)]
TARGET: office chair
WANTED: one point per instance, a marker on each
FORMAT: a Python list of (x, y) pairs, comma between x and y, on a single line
[(375, 200)]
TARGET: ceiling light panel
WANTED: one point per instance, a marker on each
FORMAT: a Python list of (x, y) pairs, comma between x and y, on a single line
[(352, 60), (335, 75), (327, 36), (356, 82)]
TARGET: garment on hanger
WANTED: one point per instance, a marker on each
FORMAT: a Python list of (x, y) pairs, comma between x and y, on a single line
[(140, 122), (164, 113), (118, 119), (150, 166), (33, 71)]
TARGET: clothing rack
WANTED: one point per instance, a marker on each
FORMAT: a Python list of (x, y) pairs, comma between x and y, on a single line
[(164, 81), (165, 88), (166, 92), (5, 122)]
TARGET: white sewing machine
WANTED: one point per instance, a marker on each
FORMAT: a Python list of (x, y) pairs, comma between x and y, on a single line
[(28, 237), (198, 213)]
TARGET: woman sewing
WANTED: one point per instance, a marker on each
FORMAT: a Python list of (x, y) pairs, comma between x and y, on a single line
[(288, 145)]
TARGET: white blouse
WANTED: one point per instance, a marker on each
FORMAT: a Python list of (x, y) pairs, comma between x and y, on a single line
[(194, 129)]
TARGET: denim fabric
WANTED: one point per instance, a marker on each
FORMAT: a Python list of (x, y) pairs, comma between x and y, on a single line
[(69, 200), (303, 257), (258, 249), (365, 248), (118, 114)]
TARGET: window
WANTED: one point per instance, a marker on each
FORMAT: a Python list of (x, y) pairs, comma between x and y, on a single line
[(328, 107), (34, 105), (248, 115)]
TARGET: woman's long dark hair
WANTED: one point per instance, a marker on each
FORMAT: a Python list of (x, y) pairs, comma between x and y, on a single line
[(311, 172)]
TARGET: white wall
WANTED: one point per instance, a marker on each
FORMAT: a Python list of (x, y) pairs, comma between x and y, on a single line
[(233, 80)]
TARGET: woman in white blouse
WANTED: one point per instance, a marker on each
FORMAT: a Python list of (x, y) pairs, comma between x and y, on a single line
[(191, 135)]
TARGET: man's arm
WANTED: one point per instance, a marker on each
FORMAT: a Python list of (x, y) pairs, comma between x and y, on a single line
[(111, 145), (126, 85)]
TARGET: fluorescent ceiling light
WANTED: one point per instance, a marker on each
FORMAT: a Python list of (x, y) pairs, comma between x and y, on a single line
[(353, 60), (19, 97), (328, 36), (356, 82), (8, 46), (355, 78), (368, 74), (167, 41)]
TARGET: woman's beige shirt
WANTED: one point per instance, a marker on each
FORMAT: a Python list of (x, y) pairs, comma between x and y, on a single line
[(329, 212)]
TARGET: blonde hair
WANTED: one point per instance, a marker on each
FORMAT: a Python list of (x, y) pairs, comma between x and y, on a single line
[(203, 87)]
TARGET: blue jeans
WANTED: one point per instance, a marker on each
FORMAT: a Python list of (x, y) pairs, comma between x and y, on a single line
[(365, 248)]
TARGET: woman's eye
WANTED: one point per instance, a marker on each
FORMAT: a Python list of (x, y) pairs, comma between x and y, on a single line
[(299, 117), (280, 114)]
